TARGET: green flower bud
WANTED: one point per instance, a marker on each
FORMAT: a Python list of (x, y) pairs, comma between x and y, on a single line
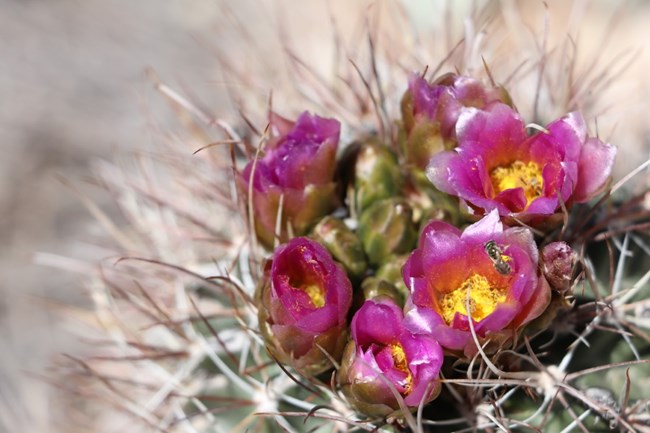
[(391, 272), (423, 141), (372, 287), (343, 244), (428, 203), (387, 229), (376, 175)]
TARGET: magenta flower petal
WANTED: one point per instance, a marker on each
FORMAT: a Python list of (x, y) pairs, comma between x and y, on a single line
[(543, 205), (421, 320), (502, 316), (441, 251), (495, 133), (490, 276), (385, 357), (482, 230), (319, 320), (594, 168), (539, 300), (310, 144), (441, 169), (497, 166), (381, 323), (425, 358), (303, 305), (514, 199), (568, 135), (427, 321)]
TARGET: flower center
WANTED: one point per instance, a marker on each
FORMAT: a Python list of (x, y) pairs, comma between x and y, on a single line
[(518, 175), (399, 361), (316, 294), (483, 299)]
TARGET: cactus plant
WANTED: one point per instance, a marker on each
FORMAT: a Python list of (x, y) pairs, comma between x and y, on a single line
[(525, 311)]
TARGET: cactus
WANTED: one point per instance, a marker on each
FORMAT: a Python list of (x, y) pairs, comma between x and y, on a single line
[(517, 306)]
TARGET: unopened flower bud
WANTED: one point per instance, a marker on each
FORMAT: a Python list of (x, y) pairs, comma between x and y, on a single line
[(303, 305), (343, 244), (385, 362), (387, 229), (558, 260), (297, 172), (430, 112), (428, 203), (376, 175), (391, 271), (373, 287)]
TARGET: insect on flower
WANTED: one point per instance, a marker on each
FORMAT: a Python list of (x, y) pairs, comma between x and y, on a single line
[(499, 259)]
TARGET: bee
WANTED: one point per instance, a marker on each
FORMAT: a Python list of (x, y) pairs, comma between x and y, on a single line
[(496, 255), (535, 187)]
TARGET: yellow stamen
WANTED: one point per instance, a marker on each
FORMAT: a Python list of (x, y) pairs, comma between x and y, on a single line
[(399, 361), (316, 295), (518, 175), (483, 299)]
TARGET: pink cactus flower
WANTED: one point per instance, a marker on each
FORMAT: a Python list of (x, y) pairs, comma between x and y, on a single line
[(303, 306), (498, 166), (385, 358), (298, 166), (487, 273)]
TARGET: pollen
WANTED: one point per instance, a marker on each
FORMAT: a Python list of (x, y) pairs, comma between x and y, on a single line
[(519, 175), (316, 295), (483, 299), (400, 363)]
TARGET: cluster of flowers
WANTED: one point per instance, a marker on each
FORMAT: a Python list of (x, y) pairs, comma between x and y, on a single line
[(353, 285)]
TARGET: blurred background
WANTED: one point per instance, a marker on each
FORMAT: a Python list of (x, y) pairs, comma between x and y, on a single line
[(73, 89)]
